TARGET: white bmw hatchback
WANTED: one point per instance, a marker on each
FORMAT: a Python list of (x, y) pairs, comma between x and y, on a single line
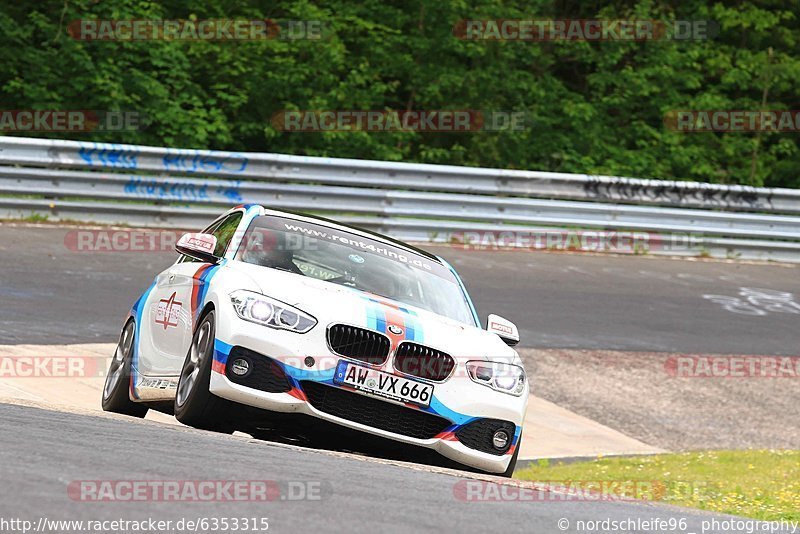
[(291, 314)]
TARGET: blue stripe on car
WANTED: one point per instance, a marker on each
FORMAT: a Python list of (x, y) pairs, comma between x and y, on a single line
[(138, 311)]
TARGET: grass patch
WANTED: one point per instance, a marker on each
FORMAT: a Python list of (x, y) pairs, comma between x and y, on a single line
[(760, 484), (35, 218)]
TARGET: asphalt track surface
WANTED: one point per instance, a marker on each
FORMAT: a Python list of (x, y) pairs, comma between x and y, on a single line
[(42, 452), (52, 295)]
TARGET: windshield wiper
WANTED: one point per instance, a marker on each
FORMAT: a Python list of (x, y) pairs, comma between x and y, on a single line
[(284, 269)]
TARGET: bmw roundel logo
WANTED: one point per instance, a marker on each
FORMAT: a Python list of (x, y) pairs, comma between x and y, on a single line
[(394, 329)]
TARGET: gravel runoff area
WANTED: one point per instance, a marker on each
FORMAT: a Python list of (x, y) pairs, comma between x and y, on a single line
[(636, 394)]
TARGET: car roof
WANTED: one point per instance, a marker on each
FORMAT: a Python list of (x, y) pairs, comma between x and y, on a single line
[(352, 229)]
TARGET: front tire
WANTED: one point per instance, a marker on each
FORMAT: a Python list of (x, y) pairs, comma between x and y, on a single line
[(195, 406), (116, 394), (513, 463)]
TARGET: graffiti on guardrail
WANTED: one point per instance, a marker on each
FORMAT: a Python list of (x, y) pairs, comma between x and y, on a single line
[(109, 155), (204, 161), (184, 190), (686, 193), (174, 178), (757, 301)]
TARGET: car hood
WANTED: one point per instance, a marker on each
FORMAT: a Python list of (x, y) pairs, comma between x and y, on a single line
[(332, 303)]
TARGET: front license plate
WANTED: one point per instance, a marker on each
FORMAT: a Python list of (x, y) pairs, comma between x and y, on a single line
[(382, 384)]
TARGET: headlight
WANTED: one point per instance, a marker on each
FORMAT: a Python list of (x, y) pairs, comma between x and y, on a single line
[(499, 376), (257, 308)]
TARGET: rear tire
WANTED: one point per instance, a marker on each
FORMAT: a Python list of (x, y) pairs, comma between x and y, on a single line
[(116, 391), (195, 406)]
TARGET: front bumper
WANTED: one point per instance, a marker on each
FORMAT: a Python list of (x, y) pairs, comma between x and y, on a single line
[(458, 400)]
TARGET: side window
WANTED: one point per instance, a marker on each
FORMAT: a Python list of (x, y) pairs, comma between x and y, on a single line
[(224, 232)]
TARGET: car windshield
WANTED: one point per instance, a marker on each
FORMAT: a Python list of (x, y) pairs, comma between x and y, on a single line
[(352, 260)]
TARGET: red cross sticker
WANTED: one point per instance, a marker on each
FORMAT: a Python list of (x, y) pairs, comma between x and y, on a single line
[(168, 311)]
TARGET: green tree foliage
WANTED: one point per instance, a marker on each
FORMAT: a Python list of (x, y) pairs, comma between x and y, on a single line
[(594, 107)]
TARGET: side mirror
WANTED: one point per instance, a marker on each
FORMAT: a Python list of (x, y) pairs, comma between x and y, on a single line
[(198, 246), (504, 328)]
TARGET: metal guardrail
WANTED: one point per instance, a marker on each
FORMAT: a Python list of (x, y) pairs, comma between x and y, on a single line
[(151, 186)]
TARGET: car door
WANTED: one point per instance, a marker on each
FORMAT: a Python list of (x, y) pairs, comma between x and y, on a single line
[(181, 299), (158, 325)]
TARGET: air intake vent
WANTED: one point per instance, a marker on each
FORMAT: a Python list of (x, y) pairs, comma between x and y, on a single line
[(478, 435), (256, 371), (359, 343), (374, 412), (424, 362)]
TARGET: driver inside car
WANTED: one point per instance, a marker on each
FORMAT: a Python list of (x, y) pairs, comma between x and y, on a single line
[(270, 248)]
